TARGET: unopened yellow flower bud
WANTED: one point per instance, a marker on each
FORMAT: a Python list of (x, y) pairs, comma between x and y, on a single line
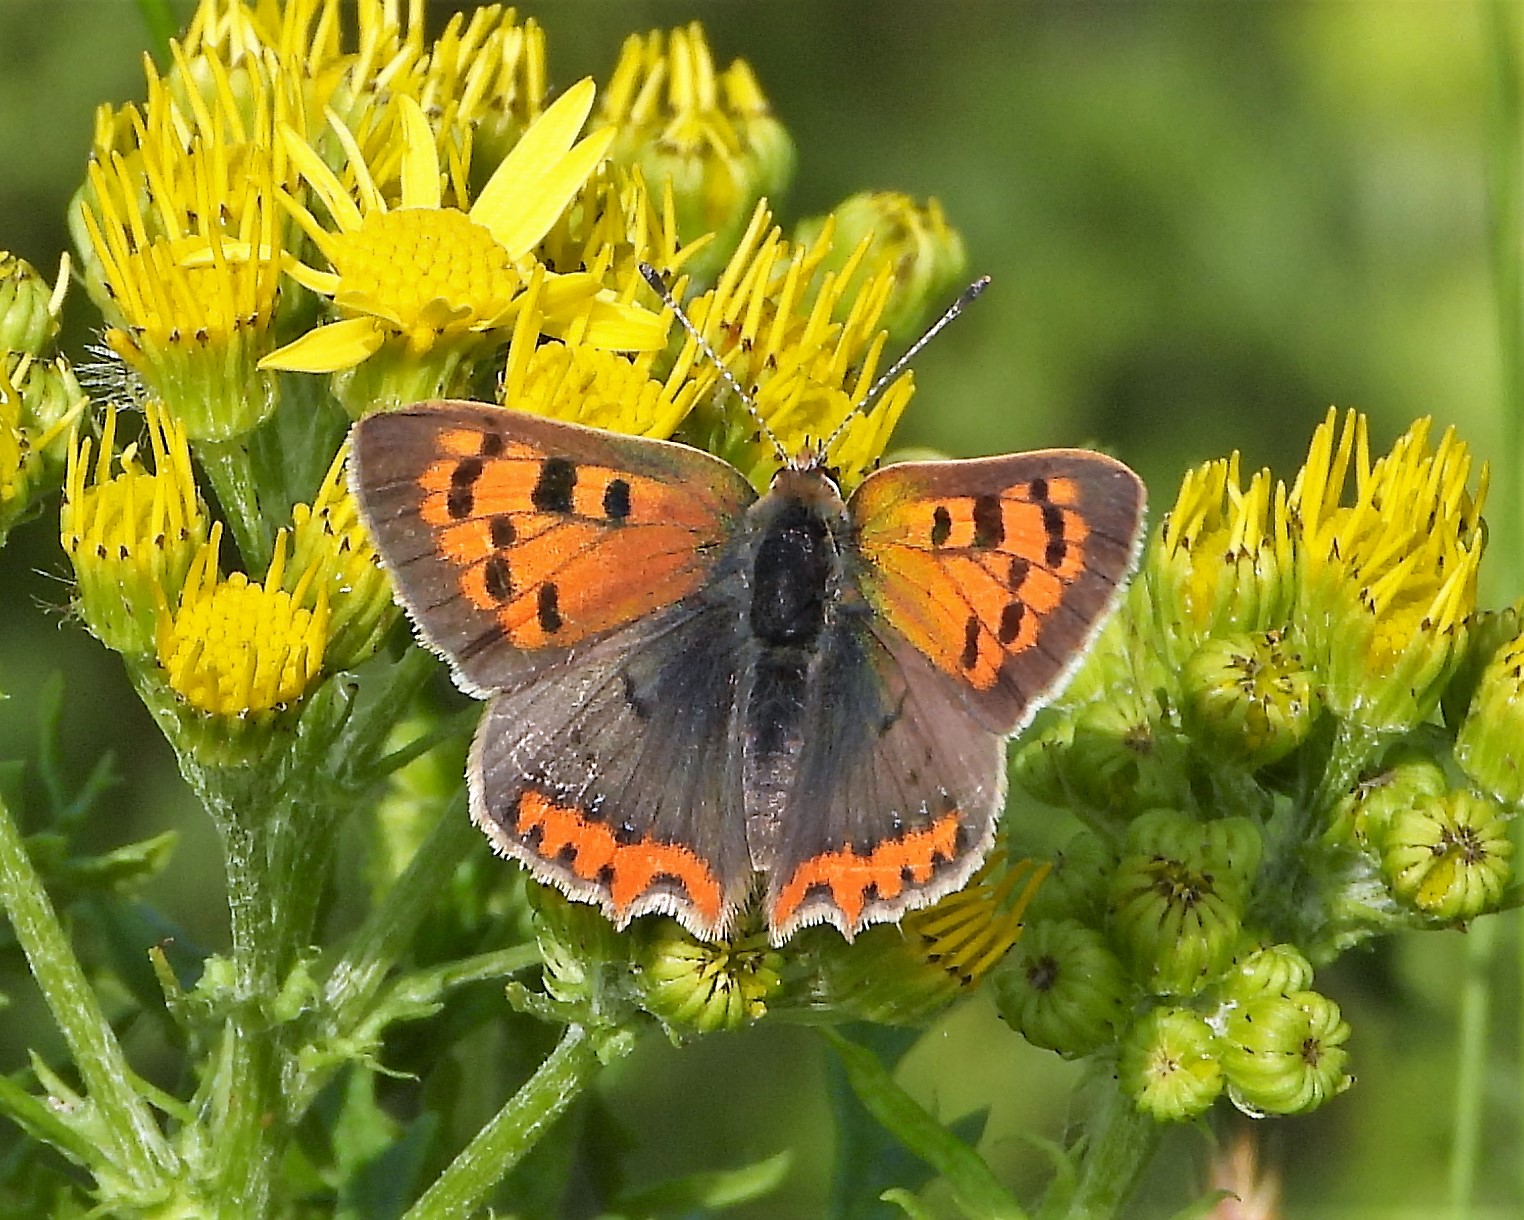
[(1169, 1065), (1076, 884), (1249, 696), (1408, 779), (1449, 858), (39, 402), (1284, 1054), (1063, 988)]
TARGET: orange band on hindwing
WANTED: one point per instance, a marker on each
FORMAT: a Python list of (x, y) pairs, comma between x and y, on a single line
[(626, 870), (885, 869)]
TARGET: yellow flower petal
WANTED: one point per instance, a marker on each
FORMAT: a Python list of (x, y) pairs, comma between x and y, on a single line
[(345, 212), (420, 159), (340, 345)]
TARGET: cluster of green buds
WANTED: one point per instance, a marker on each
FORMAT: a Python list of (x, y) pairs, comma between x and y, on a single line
[(1255, 758)]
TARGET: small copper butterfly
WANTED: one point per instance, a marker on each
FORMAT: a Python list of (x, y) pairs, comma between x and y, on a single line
[(691, 686)]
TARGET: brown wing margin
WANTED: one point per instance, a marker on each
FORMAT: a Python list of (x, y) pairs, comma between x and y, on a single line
[(512, 538), (999, 570)]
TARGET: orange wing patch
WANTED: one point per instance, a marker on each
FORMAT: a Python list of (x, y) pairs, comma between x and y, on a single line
[(555, 549), (567, 839), (969, 579), (849, 875)]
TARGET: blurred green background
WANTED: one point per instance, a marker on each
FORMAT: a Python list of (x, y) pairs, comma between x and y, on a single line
[(1205, 222)]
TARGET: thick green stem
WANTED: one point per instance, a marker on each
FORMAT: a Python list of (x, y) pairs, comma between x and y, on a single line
[(1122, 1140), (516, 1128), (231, 473), (130, 1138)]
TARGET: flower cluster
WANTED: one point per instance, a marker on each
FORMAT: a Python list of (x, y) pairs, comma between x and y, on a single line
[(1253, 756)]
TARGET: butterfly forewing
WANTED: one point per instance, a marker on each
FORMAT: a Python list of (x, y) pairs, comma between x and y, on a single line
[(998, 570), (513, 537)]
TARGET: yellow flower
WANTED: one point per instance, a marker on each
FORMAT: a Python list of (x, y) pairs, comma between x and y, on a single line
[(599, 388), (1222, 561), (234, 647), (424, 276), (331, 553), (1387, 583), (806, 349), (710, 137), (182, 245), (905, 975), (131, 538)]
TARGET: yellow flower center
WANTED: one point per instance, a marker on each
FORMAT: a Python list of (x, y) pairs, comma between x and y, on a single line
[(429, 269)]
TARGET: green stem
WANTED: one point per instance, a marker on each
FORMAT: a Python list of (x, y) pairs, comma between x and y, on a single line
[(516, 1128), (389, 928), (1121, 1142), (230, 471), (1471, 1069), (130, 1138), (159, 17)]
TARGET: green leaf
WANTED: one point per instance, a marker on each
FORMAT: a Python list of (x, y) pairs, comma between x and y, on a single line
[(907, 1203), (975, 1189), (714, 1190)]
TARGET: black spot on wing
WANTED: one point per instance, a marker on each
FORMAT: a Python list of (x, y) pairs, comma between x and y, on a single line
[(553, 490), (941, 525), (989, 521), (503, 532), (461, 498), (616, 500), (498, 578), (970, 656), (548, 609)]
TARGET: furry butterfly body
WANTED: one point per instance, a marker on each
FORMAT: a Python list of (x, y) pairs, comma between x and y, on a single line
[(698, 694)]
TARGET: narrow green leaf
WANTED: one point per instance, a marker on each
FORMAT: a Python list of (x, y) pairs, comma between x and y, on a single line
[(715, 1190), (975, 1189), (907, 1203)]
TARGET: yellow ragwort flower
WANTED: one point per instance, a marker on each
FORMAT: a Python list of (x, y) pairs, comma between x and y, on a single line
[(602, 389), (182, 242), (1222, 561), (425, 276), (709, 136), (905, 975), (29, 305), (1387, 583), (232, 646), (131, 537), (331, 551), (806, 349)]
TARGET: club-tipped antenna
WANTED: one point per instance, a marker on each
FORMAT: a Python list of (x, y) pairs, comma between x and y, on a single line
[(658, 284)]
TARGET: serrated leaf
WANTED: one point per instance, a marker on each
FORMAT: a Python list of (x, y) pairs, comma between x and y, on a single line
[(978, 1195)]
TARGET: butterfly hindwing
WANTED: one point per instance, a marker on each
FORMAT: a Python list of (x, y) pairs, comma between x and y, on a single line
[(897, 794), (609, 774), (512, 537), (998, 570)]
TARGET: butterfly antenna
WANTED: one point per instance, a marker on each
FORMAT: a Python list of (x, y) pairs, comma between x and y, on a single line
[(965, 299), (659, 286)]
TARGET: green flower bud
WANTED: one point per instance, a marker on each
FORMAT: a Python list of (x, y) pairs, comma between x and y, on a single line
[(1490, 746), (700, 987), (1249, 696), (1037, 766), (1117, 761), (1449, 858), (1267, 970), (1409, 779), (1076, 883), (1229, 848), (585, 962), (926, 253), (1169, 1065), (1176, 922), (1062, 988), (1284, 1054), (29, 306)]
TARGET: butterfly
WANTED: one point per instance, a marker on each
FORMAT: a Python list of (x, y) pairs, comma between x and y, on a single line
[(696, 692)]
